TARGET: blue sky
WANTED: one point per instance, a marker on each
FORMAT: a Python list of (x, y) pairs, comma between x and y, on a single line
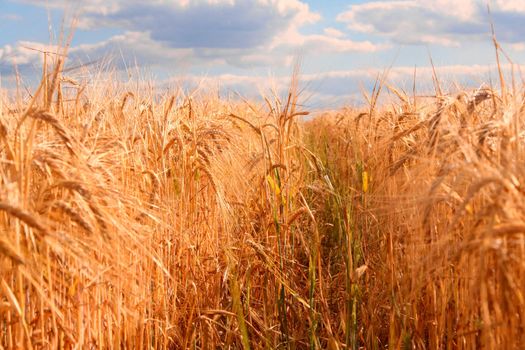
[(241, 43)]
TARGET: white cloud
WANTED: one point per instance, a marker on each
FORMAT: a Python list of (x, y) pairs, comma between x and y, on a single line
[(511, 5), (201, 24), (139, 47), (464, 10), (322, 43), (133, 46), (334, 33), (240, 33), (24, 55), (335, 88), (442, 22), (196, 23)]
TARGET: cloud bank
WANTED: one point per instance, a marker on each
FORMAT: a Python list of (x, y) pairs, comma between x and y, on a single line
[(237, 39), (441, 22)]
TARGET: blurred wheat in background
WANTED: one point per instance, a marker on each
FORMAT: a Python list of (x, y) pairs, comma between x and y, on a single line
[(135, 219)]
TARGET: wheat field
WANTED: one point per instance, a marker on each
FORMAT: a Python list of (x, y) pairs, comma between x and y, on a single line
[(136, 219)]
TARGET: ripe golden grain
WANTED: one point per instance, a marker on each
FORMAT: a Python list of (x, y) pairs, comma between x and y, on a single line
[(229, 224)]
